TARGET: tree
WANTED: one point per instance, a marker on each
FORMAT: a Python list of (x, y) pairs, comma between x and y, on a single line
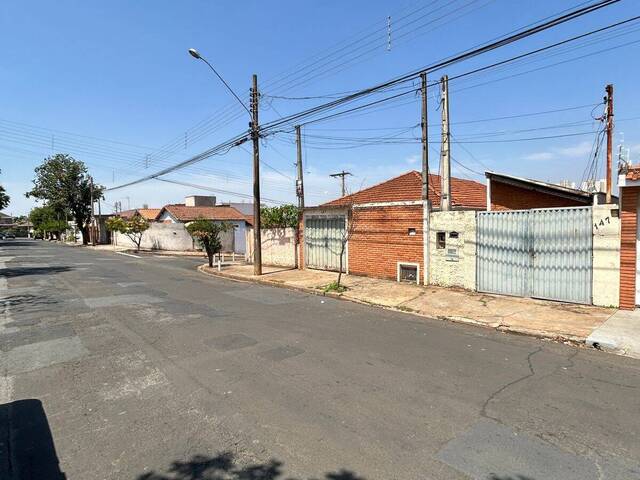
[(63, 182), (207, 233), (279, 217), (47, 221), (4, 198), (133, 227)]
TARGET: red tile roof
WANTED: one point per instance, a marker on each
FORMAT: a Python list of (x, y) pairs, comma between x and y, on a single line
[(187, 214), (633, 173), (407, 187), (147, 213)]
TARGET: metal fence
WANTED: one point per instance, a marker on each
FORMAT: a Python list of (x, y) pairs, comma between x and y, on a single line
[(323, 237), (542, 253)]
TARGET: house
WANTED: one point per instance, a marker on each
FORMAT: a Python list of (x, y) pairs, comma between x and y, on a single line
[(196, 207), (383, 226), (149, 214), (507, 192), (553, 244), (5, 219)]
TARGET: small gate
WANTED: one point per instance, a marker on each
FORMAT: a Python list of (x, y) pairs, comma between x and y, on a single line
[(323, 237), (542, 253)]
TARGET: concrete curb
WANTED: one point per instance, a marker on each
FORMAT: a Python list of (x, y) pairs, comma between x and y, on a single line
[(562, 338)]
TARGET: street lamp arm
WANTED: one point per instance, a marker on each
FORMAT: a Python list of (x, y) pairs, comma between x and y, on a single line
[(200, 57)]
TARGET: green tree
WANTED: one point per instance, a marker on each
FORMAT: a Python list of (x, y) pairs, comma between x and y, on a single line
[(279, 217), (4, 198), (63, 182), (207, 233), (48, 221), (133, 227)]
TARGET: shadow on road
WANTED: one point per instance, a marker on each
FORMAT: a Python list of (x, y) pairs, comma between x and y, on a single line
[(223, 467), (12, 272), (27, 451)]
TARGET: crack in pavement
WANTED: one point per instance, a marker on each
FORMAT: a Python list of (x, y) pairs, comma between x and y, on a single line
[(483, 411)]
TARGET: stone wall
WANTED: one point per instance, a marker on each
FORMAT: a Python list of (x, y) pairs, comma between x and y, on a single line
[(455, 264)]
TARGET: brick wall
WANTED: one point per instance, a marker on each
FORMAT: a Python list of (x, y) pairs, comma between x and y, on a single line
[(510, 197), (628, 221), (380, 240)]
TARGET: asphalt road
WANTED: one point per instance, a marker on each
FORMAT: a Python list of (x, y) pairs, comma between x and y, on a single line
[(115, 367)]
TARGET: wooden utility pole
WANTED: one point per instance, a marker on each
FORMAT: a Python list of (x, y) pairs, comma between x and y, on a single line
[(91, 232), (609, 98), (299, 181), (426, 204), (342, 175), (255, 136), (445, 159)]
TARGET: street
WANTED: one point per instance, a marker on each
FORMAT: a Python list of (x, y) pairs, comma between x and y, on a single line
[(145, 368)]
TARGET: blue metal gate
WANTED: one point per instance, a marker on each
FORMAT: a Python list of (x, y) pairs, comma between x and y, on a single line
[(542, 253)]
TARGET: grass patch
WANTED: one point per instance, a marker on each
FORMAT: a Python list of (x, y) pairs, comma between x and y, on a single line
[(334, 287)]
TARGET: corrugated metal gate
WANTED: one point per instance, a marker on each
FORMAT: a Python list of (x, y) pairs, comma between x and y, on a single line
[(542, 253), (323, 237)]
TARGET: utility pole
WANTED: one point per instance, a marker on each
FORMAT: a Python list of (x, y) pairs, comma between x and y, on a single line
[(341, 174), (426, 204), (255, 136), (91, 233), (99, 218), (299, 181), (609, 99), (445, 153)]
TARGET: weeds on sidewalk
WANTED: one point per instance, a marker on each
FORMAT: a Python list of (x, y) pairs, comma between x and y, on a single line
[(334, 287)]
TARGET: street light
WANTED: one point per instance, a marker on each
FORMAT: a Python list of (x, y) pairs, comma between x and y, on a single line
[(195, 54), (255, 136)]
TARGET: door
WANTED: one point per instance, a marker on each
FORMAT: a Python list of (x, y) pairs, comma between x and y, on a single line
[(323, 242), (542, 253)]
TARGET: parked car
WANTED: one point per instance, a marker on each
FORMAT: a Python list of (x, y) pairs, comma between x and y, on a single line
[(9, 235)]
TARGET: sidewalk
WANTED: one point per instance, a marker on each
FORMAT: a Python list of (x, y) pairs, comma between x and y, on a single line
[(554, 320)]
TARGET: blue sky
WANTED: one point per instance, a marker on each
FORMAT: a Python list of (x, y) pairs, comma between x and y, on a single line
[(112, 84)]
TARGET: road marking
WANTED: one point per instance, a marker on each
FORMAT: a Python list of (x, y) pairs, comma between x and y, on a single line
[(128, 254)]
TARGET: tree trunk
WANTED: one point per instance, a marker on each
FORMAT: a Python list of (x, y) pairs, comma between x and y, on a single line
[(85, 235), (341, 256), (209, 256)]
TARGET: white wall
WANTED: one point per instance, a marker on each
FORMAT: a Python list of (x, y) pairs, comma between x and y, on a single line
[(606, 256), (161, 236), (453, 270), (278, 246)]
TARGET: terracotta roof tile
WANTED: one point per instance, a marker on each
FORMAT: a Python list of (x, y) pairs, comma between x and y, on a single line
[(633, 173), (464, 193), (186, 214), (149, 213)]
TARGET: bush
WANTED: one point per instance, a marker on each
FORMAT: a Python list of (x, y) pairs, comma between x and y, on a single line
[(279, 217)]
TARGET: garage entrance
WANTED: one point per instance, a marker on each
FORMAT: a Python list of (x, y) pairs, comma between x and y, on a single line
[(323, 236), (541, 253)]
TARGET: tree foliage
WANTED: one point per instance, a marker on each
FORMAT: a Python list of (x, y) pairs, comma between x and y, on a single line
[(63, 182), (207, 233), (48, 221), (133, 227), (4, 198), (279, 217)]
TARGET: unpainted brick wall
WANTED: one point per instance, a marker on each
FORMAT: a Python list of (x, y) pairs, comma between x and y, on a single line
[(510, 197), (628, 225), (381, 239)]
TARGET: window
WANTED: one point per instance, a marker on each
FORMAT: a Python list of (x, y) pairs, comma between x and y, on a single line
[(411, 232), (408, 272), (441, 241), (453, 234)]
